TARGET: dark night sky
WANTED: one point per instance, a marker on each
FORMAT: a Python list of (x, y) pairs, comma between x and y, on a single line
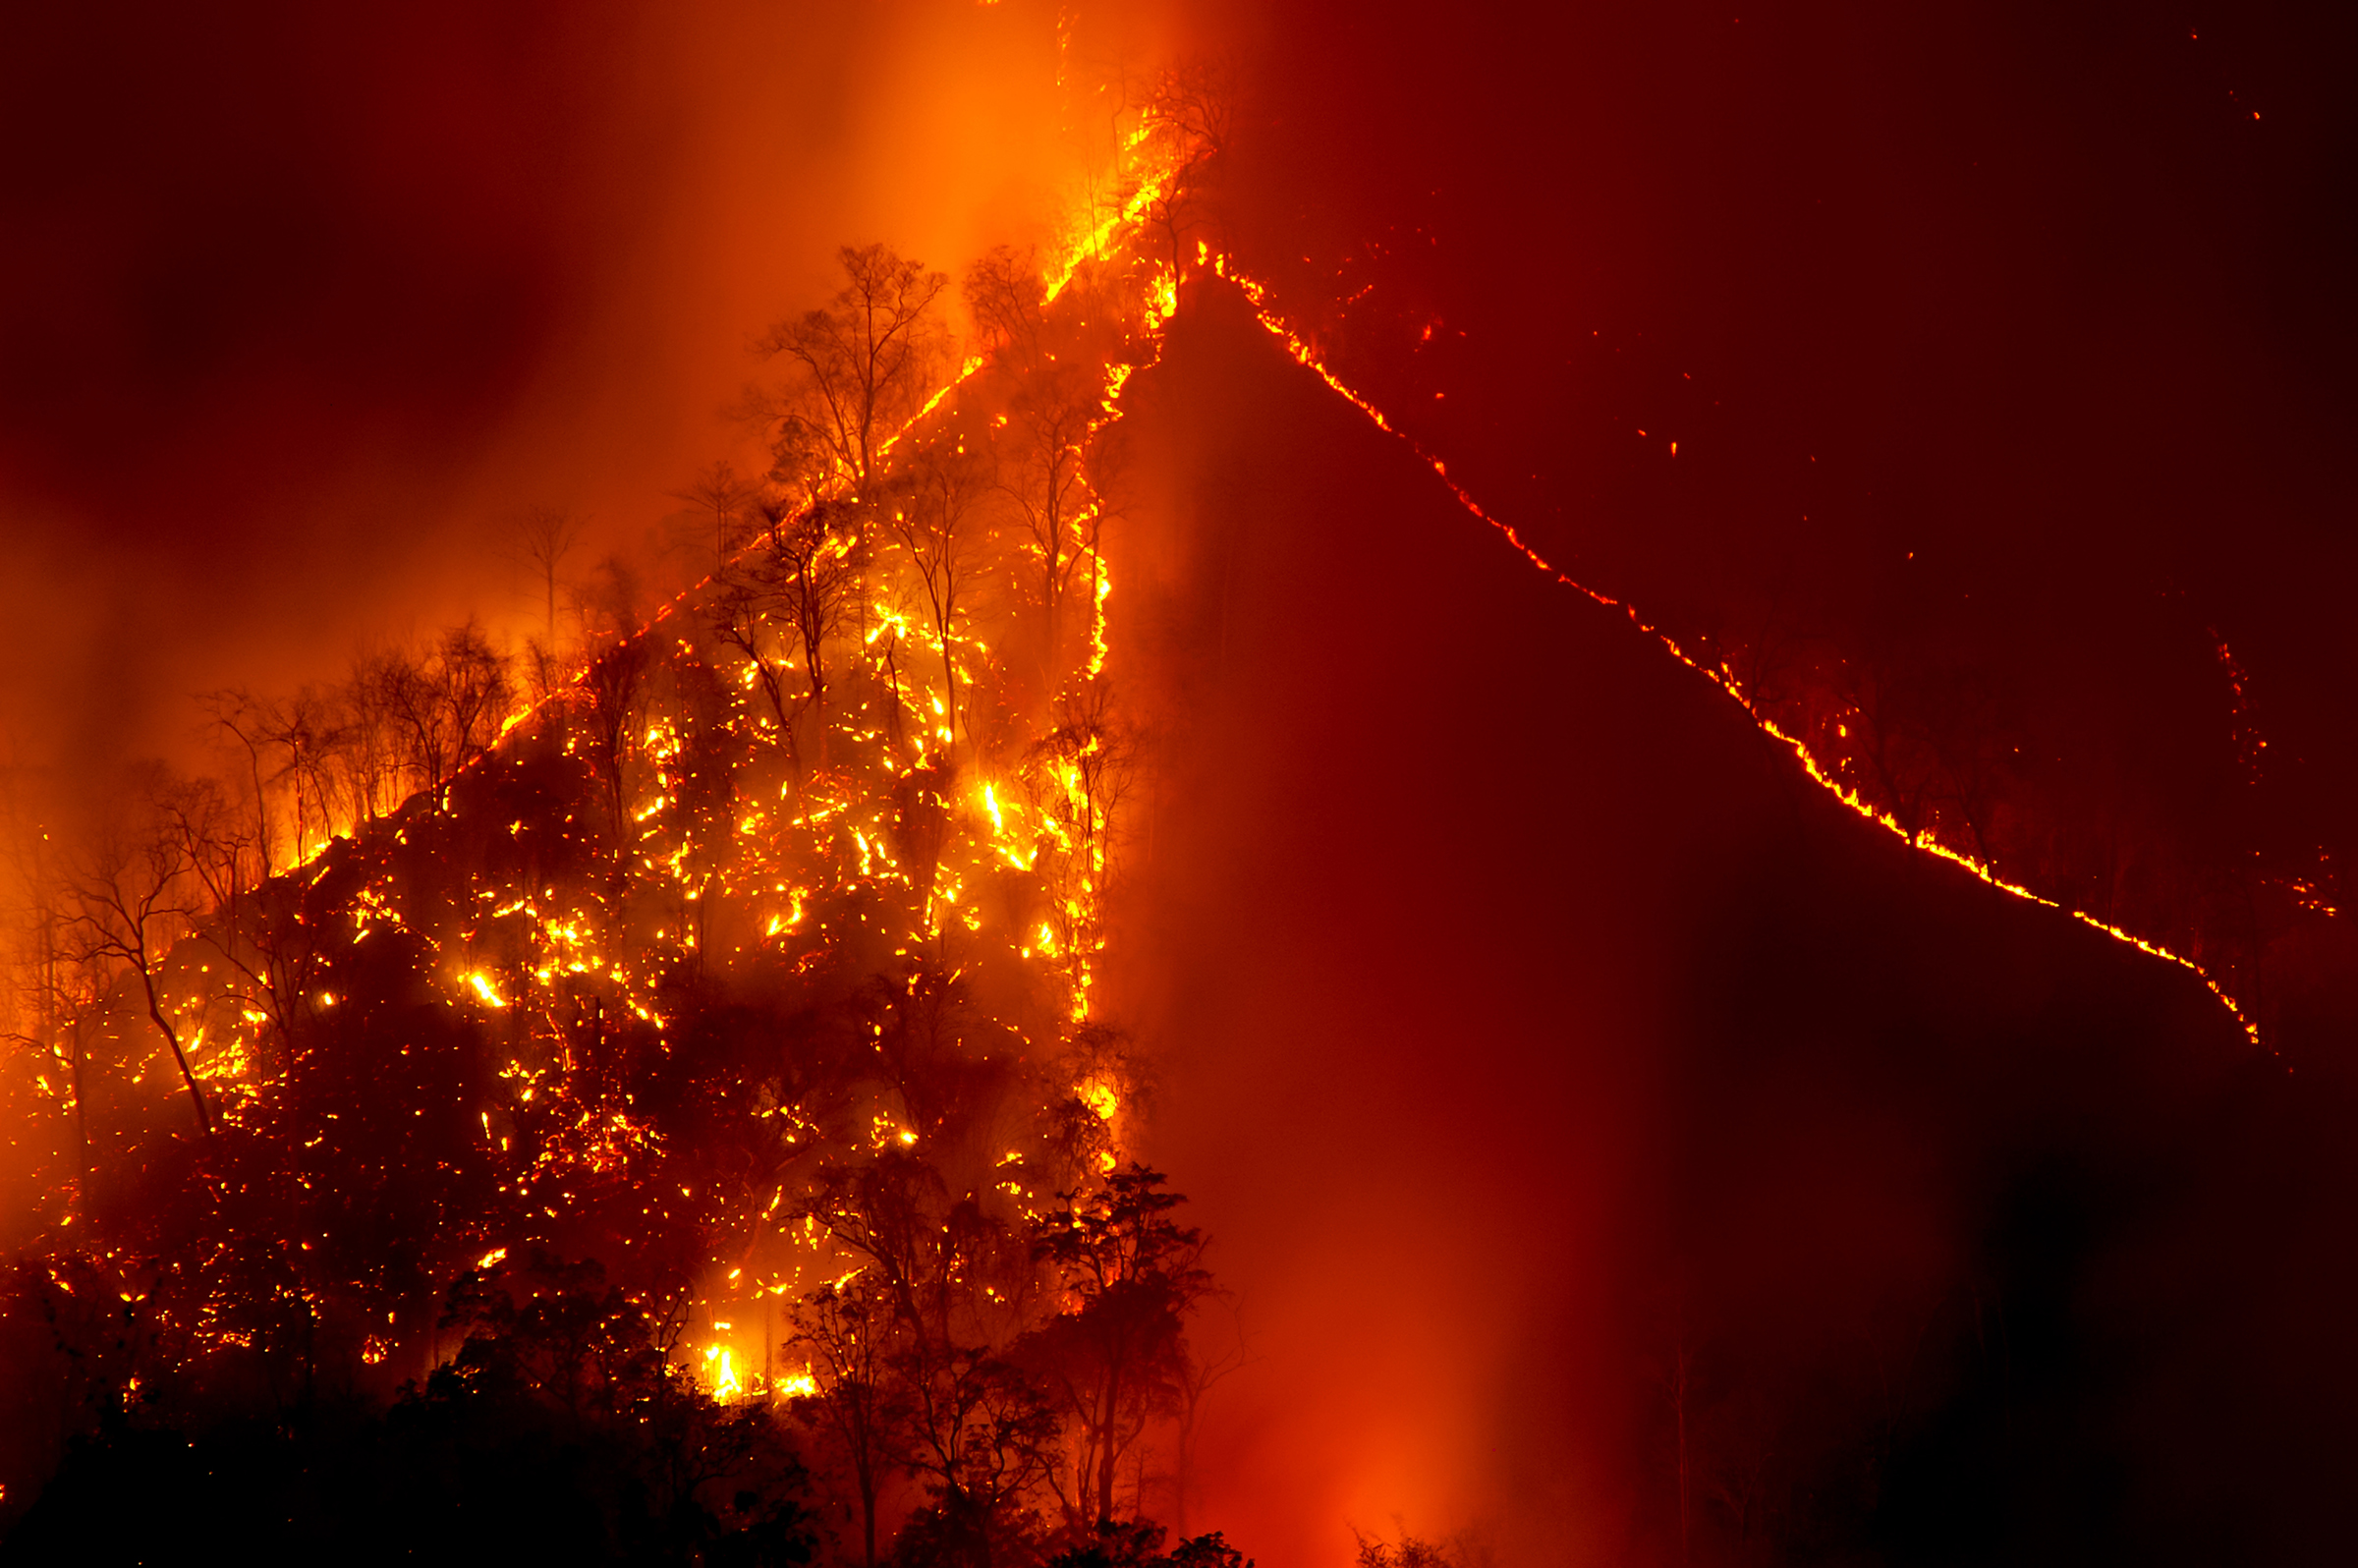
[(1516, 1002)]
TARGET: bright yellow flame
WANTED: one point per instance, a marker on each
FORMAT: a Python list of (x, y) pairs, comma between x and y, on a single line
[(1259, 295), (720, 1368)]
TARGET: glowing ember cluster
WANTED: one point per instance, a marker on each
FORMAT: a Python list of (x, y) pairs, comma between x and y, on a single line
[(759, 958), (780, 916)]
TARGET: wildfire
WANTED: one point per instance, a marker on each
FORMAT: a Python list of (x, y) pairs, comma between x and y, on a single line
[(905, 809), (1261, 298), (721, 1373)]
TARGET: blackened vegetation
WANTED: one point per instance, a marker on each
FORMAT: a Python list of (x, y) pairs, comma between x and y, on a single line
[(559, 1430), (668, 1122)]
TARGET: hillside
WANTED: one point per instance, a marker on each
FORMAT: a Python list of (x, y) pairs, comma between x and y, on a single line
[(715, 1109), (1622, 1086), (731, 1003)]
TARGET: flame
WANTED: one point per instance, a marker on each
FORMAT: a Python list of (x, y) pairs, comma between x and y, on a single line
[(1261, 298), (826, 854), (721, 1370)]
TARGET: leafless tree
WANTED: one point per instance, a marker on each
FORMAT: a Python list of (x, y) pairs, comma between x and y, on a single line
[(864, 363), (719, 492), (815, 573), (946, 480), (616, 682), (246, 914), (309, 731), (134, 893), (441, 709), (249, 723), (1054, 398), (372, 758), (1008, 302), (287, 751), (1199, 1374), (739, 618), (540, 539), (1190, 117)]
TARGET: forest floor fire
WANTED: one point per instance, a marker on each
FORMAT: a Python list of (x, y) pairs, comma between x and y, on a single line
[(668, 1085)]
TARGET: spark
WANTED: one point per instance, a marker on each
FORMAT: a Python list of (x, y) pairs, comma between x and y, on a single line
[(1261, 299)]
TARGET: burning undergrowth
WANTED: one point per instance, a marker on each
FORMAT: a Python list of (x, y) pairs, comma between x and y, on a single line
[(662, 1083), (679, 1096)]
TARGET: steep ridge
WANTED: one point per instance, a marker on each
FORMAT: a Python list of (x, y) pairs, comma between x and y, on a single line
[(735, 1002), (1614, 1147), (1560, 1070)]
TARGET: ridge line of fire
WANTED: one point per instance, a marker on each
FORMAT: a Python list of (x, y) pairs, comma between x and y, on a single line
[(1259, 294)]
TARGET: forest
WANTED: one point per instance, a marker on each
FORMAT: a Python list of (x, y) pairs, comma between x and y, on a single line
[(639, 1096), (645, 1091)]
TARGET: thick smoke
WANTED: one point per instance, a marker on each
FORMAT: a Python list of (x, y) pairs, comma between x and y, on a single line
[(1614, 1151), (306, 309)]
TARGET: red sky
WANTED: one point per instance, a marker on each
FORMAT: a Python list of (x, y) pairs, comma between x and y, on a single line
[(1621, 1024), (314, 301)]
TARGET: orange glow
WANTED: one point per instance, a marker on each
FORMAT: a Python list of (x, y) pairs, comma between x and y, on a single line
[(1260, 296), (720, 1371)]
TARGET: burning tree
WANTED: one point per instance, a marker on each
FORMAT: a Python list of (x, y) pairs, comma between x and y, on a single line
[(1075, 777), (1054, 402), (606, 1064), (933, 521), (862, 365), (134, 893)]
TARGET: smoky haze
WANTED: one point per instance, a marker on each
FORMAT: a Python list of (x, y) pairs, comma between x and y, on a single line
[(1550, 1062), (304, 306), (1558, 1058), (1556, 1068)]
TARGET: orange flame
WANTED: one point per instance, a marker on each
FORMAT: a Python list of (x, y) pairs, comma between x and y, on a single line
[(1259, 295)]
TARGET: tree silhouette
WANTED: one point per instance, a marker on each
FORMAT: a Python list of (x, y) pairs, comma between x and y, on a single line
[(1054, 396), (442, 708), (1117, 1360), (540, 539), (860, 1407), (720, 491), (864, 363), (134, 894), (947, 481)]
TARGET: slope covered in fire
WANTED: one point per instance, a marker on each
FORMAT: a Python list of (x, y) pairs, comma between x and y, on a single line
[(712, 1040)]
